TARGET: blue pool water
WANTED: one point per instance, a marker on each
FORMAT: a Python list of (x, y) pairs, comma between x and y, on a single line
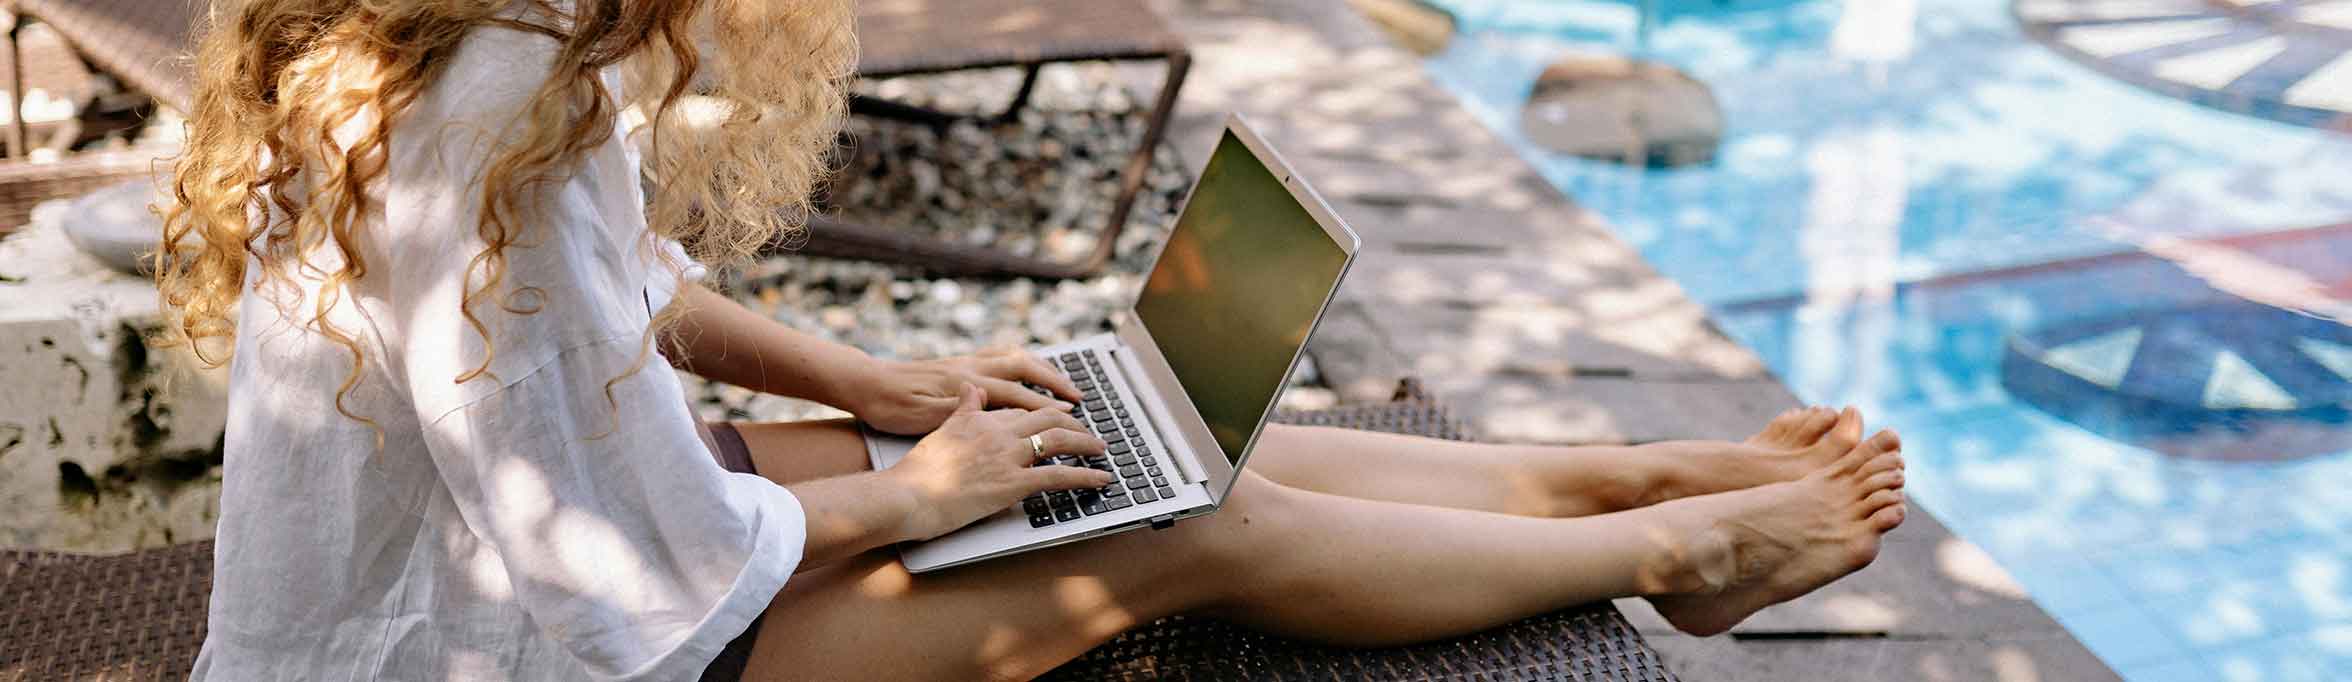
[(2105, 320)]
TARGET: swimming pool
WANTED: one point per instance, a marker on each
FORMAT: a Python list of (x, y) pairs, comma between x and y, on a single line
[(2104, 319)]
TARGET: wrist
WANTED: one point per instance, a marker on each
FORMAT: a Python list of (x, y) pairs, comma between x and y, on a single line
[(849, 382), (906, 518)]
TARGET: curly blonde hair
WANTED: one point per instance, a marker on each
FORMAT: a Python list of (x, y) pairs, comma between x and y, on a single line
[(277, 78)]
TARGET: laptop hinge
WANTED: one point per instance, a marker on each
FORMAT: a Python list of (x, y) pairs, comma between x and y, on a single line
[(1163, 522)]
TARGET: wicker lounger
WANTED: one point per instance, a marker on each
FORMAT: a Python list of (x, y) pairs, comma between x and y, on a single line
[(910, 37), (140, 616)]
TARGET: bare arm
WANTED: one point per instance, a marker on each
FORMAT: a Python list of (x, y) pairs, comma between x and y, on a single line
[(977, 463), (721, 340)]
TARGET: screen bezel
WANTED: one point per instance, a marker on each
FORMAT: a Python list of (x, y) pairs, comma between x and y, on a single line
[(1191, 428)]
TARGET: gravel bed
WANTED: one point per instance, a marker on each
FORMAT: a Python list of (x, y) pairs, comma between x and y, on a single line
[(1044, 181)]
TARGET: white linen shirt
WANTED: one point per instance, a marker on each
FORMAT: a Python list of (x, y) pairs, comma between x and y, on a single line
[(517, 526)]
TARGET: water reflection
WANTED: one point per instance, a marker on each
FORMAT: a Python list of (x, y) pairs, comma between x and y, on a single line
[(1905, 188)]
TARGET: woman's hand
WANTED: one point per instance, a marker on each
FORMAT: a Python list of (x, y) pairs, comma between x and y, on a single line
[(979, 463), (912, 398)]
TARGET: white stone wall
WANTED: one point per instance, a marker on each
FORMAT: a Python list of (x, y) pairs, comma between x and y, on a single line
[(106, 444)]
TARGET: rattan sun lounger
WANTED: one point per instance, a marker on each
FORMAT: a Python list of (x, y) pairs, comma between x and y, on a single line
[(140, 616), (144, 43), (911, 37)]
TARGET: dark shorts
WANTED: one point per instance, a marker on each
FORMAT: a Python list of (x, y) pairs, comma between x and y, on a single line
[(733, 455)]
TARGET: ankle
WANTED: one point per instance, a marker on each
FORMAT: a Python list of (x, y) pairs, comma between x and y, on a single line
[(1582, 481), (1701, 559), (1678, 469)]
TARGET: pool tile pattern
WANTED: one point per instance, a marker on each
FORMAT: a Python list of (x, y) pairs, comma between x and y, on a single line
[(1883, 225)]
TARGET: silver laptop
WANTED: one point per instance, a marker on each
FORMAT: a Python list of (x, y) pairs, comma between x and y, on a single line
[(1182, 386)]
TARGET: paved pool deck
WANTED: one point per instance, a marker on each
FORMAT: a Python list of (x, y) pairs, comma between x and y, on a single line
[(1527, 315)]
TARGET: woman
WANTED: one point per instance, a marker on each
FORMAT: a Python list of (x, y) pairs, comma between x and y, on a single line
[(447, 458)]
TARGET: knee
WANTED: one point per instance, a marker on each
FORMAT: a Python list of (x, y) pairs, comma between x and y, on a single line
[(1246, 533)]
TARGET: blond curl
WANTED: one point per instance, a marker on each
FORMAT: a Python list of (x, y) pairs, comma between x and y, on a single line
[(745, 98)]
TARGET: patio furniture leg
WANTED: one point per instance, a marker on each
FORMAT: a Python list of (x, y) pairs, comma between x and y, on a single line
[(840, 239), (1021, 96), (882, 108), (19, 135)]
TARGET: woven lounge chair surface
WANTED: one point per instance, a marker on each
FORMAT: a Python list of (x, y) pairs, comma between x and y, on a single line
[(140, 616), (901, 37)]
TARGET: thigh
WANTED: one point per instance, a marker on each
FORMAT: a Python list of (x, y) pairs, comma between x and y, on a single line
[(791, 452), (1008, 618)]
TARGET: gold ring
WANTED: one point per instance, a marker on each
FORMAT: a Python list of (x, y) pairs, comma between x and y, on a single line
[(1037, 444)]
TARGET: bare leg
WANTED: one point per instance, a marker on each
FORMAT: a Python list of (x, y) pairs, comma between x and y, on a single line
[(1548, 480), (1301, 563)]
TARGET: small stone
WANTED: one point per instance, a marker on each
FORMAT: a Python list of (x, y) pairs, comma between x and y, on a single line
[(838, 317), (946, 291), (1621, 109)]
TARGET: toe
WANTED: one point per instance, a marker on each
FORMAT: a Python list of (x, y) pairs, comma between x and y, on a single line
[(1846, 430), (1885, 461), (1878, 500), (1884, 480), (1882, 443), (1887, 518), (1778, 430), (1818, 420)]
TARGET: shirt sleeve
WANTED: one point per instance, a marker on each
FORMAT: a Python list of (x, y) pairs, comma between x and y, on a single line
[(573, 457)]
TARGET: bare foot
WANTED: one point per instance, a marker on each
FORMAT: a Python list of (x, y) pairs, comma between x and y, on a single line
[(1765, 545), (1801, 441)]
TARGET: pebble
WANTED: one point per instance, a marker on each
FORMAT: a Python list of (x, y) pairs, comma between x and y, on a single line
[(1043, 183)]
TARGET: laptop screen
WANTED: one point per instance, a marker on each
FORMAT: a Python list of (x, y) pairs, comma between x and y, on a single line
[(1236, 291)]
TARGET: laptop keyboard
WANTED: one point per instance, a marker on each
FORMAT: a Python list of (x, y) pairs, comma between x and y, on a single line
[(1138, 468)]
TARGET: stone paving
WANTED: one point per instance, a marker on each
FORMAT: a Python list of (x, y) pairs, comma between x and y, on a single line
[(1524, 313)]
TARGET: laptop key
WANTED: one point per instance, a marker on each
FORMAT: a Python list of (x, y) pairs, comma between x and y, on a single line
[(1167, 492), (1123, 460), (1130, 470), (1134, 433), (1093, 507), (1124, 422), (1143, 495), (1155, 471), (1159, 480), (1120, 449), (1066, 514), (1118, 503), (1034, 505), (1138, 483), (1040, 520)]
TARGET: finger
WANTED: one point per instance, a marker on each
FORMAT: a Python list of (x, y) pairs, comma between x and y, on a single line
[(1003, 393), (969, 399), (1059, 477), (1036, 370), (1035, 421), (1068, 442)]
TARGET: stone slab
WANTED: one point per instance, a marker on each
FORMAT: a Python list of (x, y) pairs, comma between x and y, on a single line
[(94, 459), (1644, 332), (2055, 659)]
